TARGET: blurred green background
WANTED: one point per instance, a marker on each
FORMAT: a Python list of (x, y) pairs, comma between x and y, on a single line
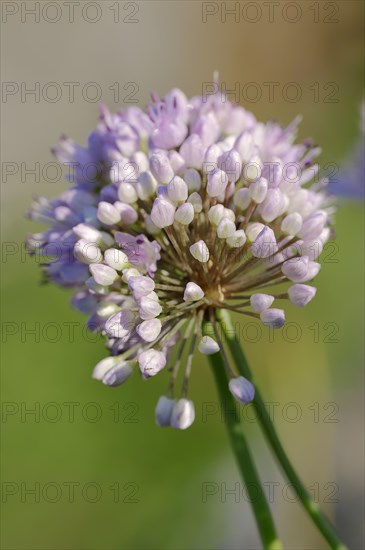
[(107, 477)]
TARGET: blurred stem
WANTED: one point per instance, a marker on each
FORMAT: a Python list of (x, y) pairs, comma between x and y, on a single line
[(246, 465), (312, 508)]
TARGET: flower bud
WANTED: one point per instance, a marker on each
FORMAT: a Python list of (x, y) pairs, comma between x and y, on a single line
[(237, 240), (273, 206), (200, 251), (127, 213), (151, 362), (253, 230), (146, 185), (242, 198), (140, 286), (103, 274), (162, 213), (108, 214), (216, 213), (274, 318), (193, 179), (292, 223), (87, 252), (231, 163), (192, 151), (196, 200), (161, 167), (301, 295), (260, 302), (242, 389), (258, 190), (208, 346), (177, 189), (313, 226), (217, 183), (252, 169), (265, 244), (185, 213), (177, 162), (112, 371), (149, 330), (116, 259), (121, 324), (226, 228), (163, 411), (211, 158), (148, 308), (127, 192), (296, 269), (183, 414), (88, 232), (193, 292)]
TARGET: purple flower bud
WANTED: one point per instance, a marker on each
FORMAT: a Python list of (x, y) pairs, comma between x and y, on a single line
[(313, 226), (103, 274), (274, 318), (151, 362), (231, 163), (193, 179), (140, 286), (265, 244), (260, 302), (127, 213), (163, 411), (162, 213), (161, 167), (112, 371), (177, 162), (121, 324), (149, 330), (183, 414), (242, 389), (273, 206), (301, 295), (148, 308), (296, 269), (217, 183)]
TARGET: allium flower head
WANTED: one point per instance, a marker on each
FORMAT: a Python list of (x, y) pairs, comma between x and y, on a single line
[(173, 214)]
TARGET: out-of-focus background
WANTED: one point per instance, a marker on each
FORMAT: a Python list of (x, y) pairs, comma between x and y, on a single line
[(88, 468)]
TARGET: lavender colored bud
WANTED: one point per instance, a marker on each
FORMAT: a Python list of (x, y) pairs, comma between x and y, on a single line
[(313, 270), (313, 226), (217, 183), (242, 198), (162, 213), (237, 240), (301, 295), (127, 213), (146, 185), (150, 226), (252, 169), (116, 259), (193, 292), (226, 228), (177, 190), (192, 150), (296, 269), (103, 274), (200, 251), (149, 330), (242, 389), (208, 346), (129, 273), (185, 213), (163, 411), (216, 213), (312, 249), (148, 308), (183, 414), (292, 223), (127, 192), (151, 362), (108, 214), (231, 163), (112, 371), (258, 190), (260, 302), (177, 162), (161, 167), (193, 179), (273, 206), (253, 230), (140, 161), (274, 318), (211, 158), (140, 286), (196, 200), (87, 252), (265, 244), (121, 324)]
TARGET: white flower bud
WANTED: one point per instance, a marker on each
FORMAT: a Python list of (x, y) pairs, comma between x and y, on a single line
[(258, 190), (226, 228), (112, 371), (161, 167), (292, 224), (242, 198), (103, 274), (108, 214), (208, 346), (128, 273), (185, 213), (162, 213), (146, 185), (252, 169), (151, 362), (149, 330), (183, 414), (127, 213), (177, 190), (193, 179), (200, 251), (87, 252), (217, 183), (216, 213), (253, 230), (121, 324), (116, 259), (196, 200), (127, 192), (237, 240), (148, 309), (193, 292)]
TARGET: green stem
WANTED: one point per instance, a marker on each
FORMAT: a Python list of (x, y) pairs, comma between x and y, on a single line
[(313, 510), (246, 465)]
